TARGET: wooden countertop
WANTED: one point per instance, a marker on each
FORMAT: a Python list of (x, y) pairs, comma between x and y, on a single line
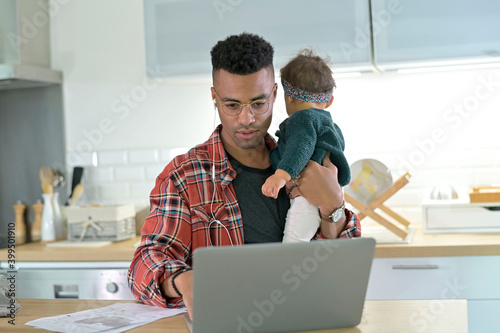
[(422, 245), (39, 251), (442, 245), (378, 316)]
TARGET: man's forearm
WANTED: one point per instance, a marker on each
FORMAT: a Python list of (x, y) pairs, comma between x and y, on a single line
[(168, 288), (332, 229), (180, 285)]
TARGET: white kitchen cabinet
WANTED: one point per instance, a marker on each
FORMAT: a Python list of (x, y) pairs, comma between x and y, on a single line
[(475, 278), (483, 316), (403, 33), (180, 34), (455, 216), (428, 30)]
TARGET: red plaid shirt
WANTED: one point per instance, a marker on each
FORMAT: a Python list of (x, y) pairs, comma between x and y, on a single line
[(179, 220)]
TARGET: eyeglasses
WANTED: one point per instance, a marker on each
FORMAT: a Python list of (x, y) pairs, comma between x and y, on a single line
[(233, 108)]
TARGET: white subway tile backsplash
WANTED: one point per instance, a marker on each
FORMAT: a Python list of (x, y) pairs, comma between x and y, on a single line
[(128, 176), (429, 178), (400, 162), (140, 204), (144, 156), (166, 155), (487, 176), (496, 159), (129, 173), (141, 190), (406, 197), (90, 194), (462, 158), (169, 153), (112, 157), (100, 174), (114, 193), (74, 158), (152, 171)]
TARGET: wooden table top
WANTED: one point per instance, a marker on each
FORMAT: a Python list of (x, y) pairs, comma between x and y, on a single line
[(378, 316)]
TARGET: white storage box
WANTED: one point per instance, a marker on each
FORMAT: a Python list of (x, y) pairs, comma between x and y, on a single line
[(459, 216), (101, 223)]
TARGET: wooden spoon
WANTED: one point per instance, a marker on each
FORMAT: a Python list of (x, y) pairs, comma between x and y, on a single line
[(77, 193), (47, 179)]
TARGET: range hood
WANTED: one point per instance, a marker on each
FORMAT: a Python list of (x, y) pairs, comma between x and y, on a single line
[(25, 45), (25, 76)]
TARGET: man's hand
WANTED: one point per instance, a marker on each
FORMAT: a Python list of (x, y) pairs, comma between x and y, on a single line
[(320, 186), (184, 283)]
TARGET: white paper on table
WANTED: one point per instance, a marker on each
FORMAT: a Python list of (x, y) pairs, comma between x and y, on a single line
[(114, 318)]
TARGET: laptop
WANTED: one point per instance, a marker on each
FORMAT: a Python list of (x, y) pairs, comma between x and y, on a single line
[(280, 287)]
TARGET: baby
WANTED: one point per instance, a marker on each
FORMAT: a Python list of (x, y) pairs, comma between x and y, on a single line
[(309, 133)]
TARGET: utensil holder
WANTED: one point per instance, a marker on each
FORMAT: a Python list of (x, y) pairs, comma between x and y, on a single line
[(58, 220), (48, 218)]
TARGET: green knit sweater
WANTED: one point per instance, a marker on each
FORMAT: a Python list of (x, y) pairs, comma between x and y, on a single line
[(309, 135)]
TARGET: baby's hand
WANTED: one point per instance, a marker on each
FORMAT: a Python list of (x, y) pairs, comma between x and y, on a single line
[(272, 186)]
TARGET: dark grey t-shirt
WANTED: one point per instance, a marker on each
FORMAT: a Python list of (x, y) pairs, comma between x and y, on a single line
[(263, 217)]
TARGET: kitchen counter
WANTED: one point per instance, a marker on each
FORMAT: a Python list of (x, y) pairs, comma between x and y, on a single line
[(422, 245), (442, 245), (39, 251), (378, 316)]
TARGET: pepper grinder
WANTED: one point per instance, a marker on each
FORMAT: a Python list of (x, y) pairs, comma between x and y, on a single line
[(20, 228), (36, 229)]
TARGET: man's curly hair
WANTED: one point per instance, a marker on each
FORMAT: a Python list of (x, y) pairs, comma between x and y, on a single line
[(242, 54)]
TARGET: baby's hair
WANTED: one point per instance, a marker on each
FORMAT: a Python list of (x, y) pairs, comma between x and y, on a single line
[(309, 72)]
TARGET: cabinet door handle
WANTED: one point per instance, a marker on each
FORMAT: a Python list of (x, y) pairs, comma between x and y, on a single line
[(415, 266)]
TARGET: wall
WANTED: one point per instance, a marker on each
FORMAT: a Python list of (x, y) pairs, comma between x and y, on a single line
[(32, 135), (124, 127)]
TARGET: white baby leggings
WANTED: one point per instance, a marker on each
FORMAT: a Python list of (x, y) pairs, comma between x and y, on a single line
[(302, 221)]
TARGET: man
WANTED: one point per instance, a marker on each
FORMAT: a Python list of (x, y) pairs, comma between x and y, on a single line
[(212, 194)]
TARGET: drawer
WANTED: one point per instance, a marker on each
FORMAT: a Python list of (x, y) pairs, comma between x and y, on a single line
[(473, 277), (483, 316)]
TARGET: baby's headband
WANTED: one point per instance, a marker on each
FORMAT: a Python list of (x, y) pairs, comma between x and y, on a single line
[(303, 95)]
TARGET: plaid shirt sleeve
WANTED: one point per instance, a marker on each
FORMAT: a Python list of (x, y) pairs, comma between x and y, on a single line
[(165, 244), (353, 227), (351, 230)]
